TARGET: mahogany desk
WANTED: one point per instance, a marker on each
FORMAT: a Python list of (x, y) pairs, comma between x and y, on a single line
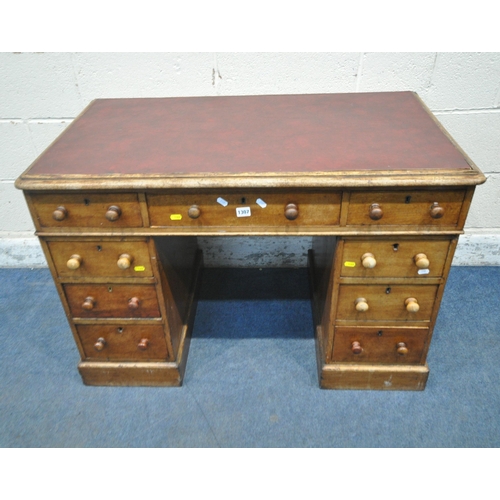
[(120, 197)]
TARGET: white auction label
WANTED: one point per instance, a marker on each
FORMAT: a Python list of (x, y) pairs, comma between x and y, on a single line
[(423, 271), (222, 201), (261, 203), (243, 212)]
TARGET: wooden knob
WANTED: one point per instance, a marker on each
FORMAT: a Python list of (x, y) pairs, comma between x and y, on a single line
[(60, 213), (113, 213), (124, 261), (368, 260), (421, 261), (143, 344), (436, 211), (74, 262), (100, 344), (412, 305), (88, 303), (194, 212), (133, 303), (376, 212), (402, 348), (356, 347), (291, 211), (361, 305)]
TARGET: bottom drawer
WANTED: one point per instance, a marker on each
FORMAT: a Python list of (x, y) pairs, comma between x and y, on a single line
[(379, 345), (123, 342)]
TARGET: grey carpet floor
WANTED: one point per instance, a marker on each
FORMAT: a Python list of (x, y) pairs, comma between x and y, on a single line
[(251, 378)]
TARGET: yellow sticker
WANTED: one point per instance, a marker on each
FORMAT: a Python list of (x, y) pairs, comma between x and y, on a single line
[(176, 217), (139, 268), (349, 264)]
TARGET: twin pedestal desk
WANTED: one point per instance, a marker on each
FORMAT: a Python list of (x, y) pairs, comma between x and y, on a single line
[(381, 189)]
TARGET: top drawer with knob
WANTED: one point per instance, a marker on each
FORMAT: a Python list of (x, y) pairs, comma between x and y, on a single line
[(408, 208), (89, 210), (245, 208), (101, 258), (401, 258)]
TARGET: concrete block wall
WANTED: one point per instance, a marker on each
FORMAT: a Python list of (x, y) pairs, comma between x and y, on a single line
[(41, 93)]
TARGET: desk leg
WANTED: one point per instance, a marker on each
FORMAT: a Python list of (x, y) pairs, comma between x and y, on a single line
[(177, 264), (324, 265)]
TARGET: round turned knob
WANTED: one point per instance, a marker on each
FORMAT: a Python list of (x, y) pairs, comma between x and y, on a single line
[(133, 303), (113, 213), (60, 213), (88, 303), (356, 347), (124, 261), (143, 344), (291, 211), (376, 212), (421, 261), (74, 262), (402, 348), (100, 344), (361, 305), (436, 211), (194, 212), (412, 305), (368, 260)]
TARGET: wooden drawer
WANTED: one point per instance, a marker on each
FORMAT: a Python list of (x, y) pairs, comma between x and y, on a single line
[(123, 342), (394, 257), (408, 208), (245, 209), (379, 345), (385, 302), (100, 258), (92, 210), (112, 301)]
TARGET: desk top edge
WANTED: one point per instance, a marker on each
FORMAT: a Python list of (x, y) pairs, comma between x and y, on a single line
[(343, 180)]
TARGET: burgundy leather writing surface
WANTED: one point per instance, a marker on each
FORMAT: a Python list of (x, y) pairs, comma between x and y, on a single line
[(251, 134)]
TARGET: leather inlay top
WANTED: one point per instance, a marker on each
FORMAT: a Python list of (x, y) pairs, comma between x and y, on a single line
[(251, 134)]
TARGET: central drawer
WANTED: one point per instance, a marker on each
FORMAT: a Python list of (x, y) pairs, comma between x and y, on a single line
[(112, 301), (125, 342), (386, 302), (245, 208)]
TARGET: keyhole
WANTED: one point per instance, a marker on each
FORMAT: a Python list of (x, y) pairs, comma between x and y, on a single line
[(243, 200), (119, 329), (395, 247), (110, 289), (86, 202), (380, 333), (388, 290), (99, 248), (408, 199)]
